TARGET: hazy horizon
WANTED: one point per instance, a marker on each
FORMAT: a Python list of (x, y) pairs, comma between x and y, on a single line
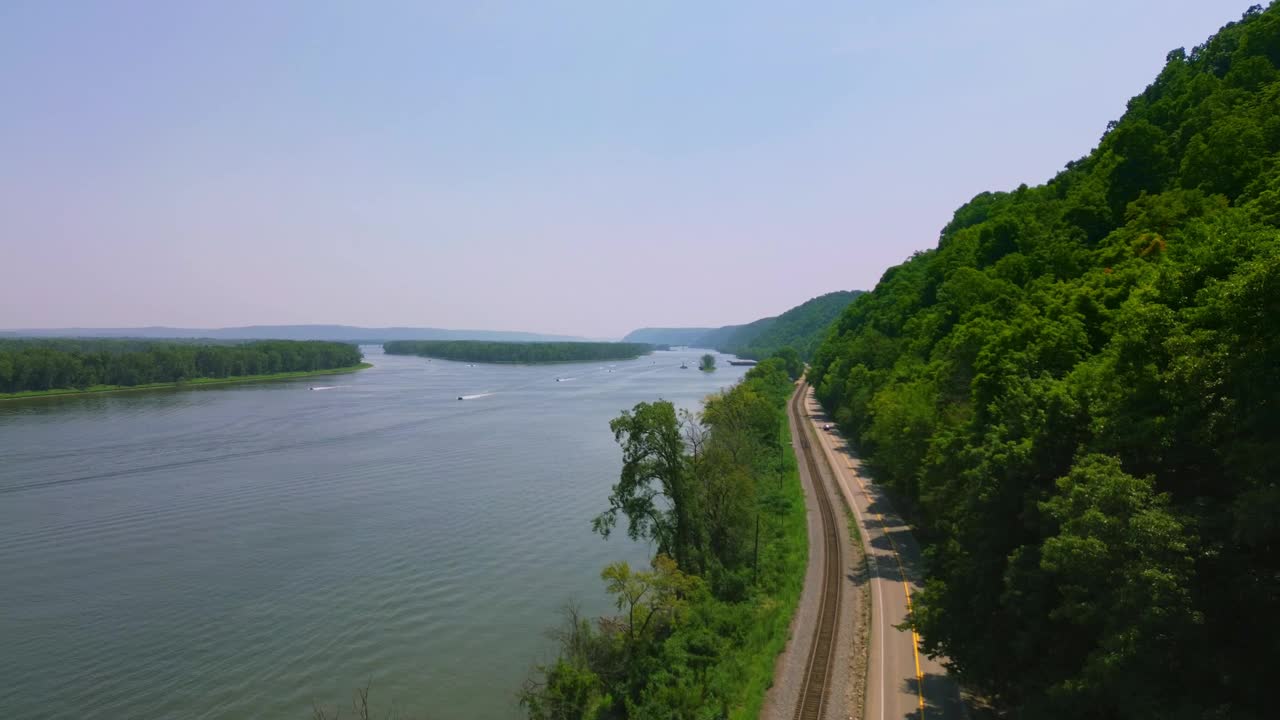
[(571, 169)]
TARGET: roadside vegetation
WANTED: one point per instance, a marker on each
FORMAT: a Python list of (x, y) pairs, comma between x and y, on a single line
[(30, 368), (697, 633), (1078, 394), (517, 352)]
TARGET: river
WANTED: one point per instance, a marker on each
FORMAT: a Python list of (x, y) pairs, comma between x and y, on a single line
[(246, 550)]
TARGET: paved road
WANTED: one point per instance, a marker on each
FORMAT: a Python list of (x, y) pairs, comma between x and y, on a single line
[(902, 682)]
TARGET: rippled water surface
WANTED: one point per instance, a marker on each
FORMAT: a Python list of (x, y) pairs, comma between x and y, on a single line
[(244, 551)]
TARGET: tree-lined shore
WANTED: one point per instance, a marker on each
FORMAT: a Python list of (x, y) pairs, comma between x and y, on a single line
[(698, 632), (38, 367)]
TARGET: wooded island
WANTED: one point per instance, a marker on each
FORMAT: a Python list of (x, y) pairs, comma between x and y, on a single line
[(32, 367)]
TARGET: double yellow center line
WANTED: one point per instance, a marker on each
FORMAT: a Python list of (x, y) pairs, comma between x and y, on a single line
[(915, 637), (906, 587)]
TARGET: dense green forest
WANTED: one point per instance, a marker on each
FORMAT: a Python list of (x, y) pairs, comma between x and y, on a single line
[(697, 634), (38, 365), (517, 352), (1077, 394), (802, 327)]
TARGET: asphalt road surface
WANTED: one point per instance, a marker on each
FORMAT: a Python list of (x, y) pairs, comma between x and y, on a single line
[(902, 682)]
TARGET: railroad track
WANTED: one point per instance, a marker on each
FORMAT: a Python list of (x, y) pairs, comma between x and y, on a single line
[(817, 674)]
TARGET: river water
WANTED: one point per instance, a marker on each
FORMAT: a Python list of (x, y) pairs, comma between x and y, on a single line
[(244, 551)]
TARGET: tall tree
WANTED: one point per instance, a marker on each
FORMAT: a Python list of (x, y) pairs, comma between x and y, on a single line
[(654, 492)]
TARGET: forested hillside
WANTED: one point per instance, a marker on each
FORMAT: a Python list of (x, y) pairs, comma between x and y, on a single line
[(517, 352), (1078, 391), (802, 327), (78, 364)]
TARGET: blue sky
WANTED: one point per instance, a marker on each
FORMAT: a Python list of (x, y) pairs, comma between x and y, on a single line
[(575, 167)]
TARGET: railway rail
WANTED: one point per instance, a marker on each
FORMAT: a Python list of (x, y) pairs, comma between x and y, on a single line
[(814, 692)]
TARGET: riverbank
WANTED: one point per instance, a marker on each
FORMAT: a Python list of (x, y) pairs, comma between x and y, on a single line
[(719, 626), (96, 389)]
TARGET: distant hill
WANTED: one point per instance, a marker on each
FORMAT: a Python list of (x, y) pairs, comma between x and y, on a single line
[(802, 327), (347, 333), (668, 336)]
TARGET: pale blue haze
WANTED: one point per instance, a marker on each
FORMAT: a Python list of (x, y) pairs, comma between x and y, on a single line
[(581, 167)]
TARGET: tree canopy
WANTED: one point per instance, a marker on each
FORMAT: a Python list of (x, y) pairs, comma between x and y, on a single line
[(1078, 394), (28, 365)]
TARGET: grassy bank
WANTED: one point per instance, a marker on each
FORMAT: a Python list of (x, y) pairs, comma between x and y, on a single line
[(200, 382)]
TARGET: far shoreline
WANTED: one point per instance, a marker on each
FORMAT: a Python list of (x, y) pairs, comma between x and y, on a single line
[(525, 363), (182, 384), (518, 353)]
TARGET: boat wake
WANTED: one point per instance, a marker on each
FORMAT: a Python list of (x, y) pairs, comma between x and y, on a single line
[(324, 387), (476, 396)]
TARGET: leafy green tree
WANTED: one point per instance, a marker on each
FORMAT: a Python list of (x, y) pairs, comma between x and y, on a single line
[(791, 360), (575, 685), (1121, 563), (708, 363), (655, 492), (652, 601)]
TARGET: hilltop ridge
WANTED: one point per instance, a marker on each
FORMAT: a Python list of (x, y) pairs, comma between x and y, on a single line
[(802, 327)]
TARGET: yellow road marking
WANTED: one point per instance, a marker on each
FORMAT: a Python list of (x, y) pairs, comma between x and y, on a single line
[(902, 570)]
